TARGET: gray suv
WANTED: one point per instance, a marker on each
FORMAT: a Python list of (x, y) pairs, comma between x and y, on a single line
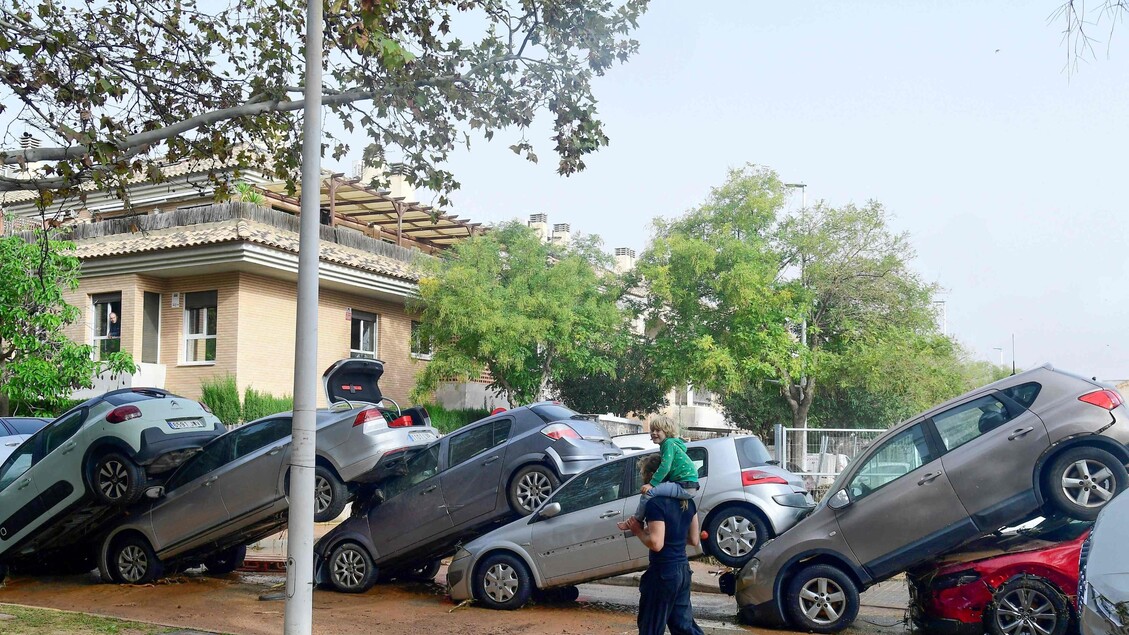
[(1042, 441)]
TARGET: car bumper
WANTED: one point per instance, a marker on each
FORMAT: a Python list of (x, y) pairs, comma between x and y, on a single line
[(162, 451), (790, 507), (362, 452), (766, 614), (1093, 623), (458, 577)]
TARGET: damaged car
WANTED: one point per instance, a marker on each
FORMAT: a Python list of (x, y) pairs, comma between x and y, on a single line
[(76, 473), (1042, 442), (1103, 586), (479, 476), (1016, 583), (236, 490)]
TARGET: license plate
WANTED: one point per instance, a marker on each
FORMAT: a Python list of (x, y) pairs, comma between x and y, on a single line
[(421, 436), (181, 424)]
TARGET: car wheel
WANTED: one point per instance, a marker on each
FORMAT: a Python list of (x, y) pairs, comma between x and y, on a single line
[(735, 534), (132, 561), (1027, 606), (118, 481), (330, 495), (821, 599), (227, 560), (557, 595), (503, 582), (425, 572), (351, 569), (530, 487), (1082, 480)]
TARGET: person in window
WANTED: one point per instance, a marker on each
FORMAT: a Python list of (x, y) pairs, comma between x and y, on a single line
[(115, 328), (664, 590)]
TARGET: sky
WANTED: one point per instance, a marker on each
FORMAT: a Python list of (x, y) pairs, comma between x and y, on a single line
[(1007, 172)]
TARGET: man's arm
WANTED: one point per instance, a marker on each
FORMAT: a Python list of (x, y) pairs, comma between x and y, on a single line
[(694, 536), (653, 535)]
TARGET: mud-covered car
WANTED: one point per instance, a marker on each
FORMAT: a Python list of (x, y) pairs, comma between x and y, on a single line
[(1018, 583), (1042, 442), (69, 478), (479, 476), (742, 500)]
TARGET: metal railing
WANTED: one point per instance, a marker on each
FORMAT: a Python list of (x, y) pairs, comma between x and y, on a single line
[(818, 455)]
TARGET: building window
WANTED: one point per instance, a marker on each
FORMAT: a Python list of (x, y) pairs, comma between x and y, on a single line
[(421, 345), (200, 327), (362, 337), (107, 324)]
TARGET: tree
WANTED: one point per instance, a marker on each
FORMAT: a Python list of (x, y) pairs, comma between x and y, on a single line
[(38, 363), (633, 387), (526, 311), (118, 87), (749, 302)]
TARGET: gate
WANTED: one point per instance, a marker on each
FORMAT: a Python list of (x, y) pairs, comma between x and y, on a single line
[(819, 454)]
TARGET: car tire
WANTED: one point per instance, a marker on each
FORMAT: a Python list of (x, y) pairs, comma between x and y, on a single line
[(425, 572), (330, 495), (503, 582), (351, 569), (735, 534), (226, 561), (131, 560), (531, 486), (1081, 480), (1027, 605), (821, 599), (116, 480)]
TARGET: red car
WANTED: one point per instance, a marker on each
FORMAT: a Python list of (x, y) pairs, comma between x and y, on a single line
[(1013, 584)]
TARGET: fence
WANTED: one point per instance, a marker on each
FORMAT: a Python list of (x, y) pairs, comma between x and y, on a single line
[(820, 454)]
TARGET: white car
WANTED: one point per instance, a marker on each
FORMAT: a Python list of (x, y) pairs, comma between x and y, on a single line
[(16, 430), (68, 479)]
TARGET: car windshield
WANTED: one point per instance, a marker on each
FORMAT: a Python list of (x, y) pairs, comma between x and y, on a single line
[(554, 412)]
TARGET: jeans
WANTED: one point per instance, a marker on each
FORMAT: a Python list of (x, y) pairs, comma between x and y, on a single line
[(664, 601), (666, 488)]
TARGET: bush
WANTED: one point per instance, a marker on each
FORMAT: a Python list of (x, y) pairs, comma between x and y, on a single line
[(222, 396), (260, 404), (42, 408), (447, 421)]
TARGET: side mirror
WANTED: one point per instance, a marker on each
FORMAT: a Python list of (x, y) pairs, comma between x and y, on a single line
[(839, 500), (155, 492), (548, 511)]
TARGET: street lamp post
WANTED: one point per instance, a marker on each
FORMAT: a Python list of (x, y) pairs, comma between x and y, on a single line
[(1001, 350)]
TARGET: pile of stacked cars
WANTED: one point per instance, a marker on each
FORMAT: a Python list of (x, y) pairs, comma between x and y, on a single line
[(1039, 442)]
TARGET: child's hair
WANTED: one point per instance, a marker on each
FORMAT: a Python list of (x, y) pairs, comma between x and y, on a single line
[(666, 425)]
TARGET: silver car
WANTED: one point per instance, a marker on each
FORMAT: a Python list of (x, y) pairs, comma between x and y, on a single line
[(1103, 581), (1043, 441), (573, 538), (235, 491), (16, 430)]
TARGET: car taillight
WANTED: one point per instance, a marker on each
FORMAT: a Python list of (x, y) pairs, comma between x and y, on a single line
[(757, 477), (1108, 399), (205, 407), (367, 415), (123, 413), (559, 431), (400, 422)]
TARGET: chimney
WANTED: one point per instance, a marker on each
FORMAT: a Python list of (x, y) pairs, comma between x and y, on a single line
[(398, 182), (539, 223), (624, 259), (561, 234)]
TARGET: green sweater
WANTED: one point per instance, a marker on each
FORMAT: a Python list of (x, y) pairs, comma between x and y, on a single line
[(676, 465)]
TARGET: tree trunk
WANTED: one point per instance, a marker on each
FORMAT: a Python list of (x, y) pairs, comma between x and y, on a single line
[(799, 400), (4, 404)]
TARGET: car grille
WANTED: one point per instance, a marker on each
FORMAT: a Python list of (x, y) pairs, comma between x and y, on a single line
[(1083, 555)]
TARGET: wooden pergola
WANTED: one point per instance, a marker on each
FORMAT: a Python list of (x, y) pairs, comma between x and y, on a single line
[(379, 214)]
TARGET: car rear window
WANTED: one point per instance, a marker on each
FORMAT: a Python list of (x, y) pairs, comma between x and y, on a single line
[(1023, 394), (751, 452), (134, 396), (553, 412)]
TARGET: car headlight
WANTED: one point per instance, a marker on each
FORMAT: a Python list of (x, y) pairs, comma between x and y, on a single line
[(1108, 609), (460, 554)]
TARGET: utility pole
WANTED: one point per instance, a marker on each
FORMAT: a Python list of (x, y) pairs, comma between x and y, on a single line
[(299, 619), (1001, 350)]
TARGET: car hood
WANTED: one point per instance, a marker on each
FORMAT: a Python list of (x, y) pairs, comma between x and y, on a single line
[(1108, 560)]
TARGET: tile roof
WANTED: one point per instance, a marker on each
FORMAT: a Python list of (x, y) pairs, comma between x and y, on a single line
[(233, 230)]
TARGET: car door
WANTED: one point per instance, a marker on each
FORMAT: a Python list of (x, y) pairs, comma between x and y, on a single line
[(471, 481), (19, 504), (57, 463), (582, 541), (259, 453), (991, 445), (192, 504), (413, 510), (903, 508)]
